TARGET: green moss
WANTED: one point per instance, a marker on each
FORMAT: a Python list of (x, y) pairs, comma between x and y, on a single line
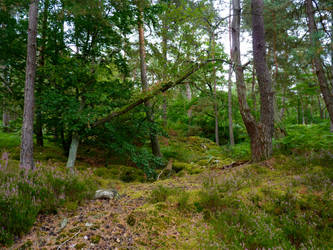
[(80, 246), (95, 239), (131, 219), (71, 206)]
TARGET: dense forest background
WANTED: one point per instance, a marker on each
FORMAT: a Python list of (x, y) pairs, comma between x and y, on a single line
[(138, 90)]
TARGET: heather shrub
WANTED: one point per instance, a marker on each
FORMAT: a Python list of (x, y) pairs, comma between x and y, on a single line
[(26, 193)]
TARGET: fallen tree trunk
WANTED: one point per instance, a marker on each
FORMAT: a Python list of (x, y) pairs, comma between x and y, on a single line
[(159, 88)]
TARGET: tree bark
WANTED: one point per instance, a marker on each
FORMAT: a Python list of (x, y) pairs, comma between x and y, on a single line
[(321, 112), (263, 76), (231, 130), (5, 119), (73, 152), (165, 55), (260, 133), (189, 98), (39, 118), (323, 82), (26, 154), (216, 112), (153, 137)]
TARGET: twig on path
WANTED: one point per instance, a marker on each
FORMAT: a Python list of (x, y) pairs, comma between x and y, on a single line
[(59, 247)]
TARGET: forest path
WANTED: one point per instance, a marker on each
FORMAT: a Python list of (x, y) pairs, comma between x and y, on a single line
[(104, 224)]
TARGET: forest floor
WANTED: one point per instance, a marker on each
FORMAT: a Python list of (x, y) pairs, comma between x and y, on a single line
[(131, 221), (284, 202), (137, 219)]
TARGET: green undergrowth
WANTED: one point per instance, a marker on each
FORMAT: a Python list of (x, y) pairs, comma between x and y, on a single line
[(281, 203), (26, 193), (193, 155), (306, 139)]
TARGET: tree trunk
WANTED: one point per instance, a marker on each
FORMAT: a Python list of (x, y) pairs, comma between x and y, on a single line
[(5, 111), (39, 118), (321, 112), (216, 112), (5, 119), (26, 154), (260, 133), (189, 98), (231, 130), (153, 137), (263, 76), (253, 92), (165, 55), (73, 152), (323, 82)]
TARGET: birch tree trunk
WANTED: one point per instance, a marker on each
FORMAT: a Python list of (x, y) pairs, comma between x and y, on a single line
[(73, 152), (26, 154), (153, 137)]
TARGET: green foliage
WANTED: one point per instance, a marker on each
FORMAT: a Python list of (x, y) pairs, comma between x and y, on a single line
[(240, 151), (306, 139), (255, 207), (161, 193), (131, 174), (183, 201), (24, 194)]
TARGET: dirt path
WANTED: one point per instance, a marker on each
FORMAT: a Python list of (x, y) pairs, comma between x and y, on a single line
[(104, 224)]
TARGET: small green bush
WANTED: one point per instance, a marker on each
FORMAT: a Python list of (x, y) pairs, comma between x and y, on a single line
[(130, 174), (161, 193), (183, 199)]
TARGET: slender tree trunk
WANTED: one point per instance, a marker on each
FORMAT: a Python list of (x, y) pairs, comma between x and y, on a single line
[(73, 152), (331, 121), (26, 154), (153, 137), (321, 112), (5, 111), (39, 119), (302, 111), (165, 55), (189, 98), (283, 108), (231, 130), (253, 92), (5, 119), (323, 82), (216, 112), (299, 113)]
